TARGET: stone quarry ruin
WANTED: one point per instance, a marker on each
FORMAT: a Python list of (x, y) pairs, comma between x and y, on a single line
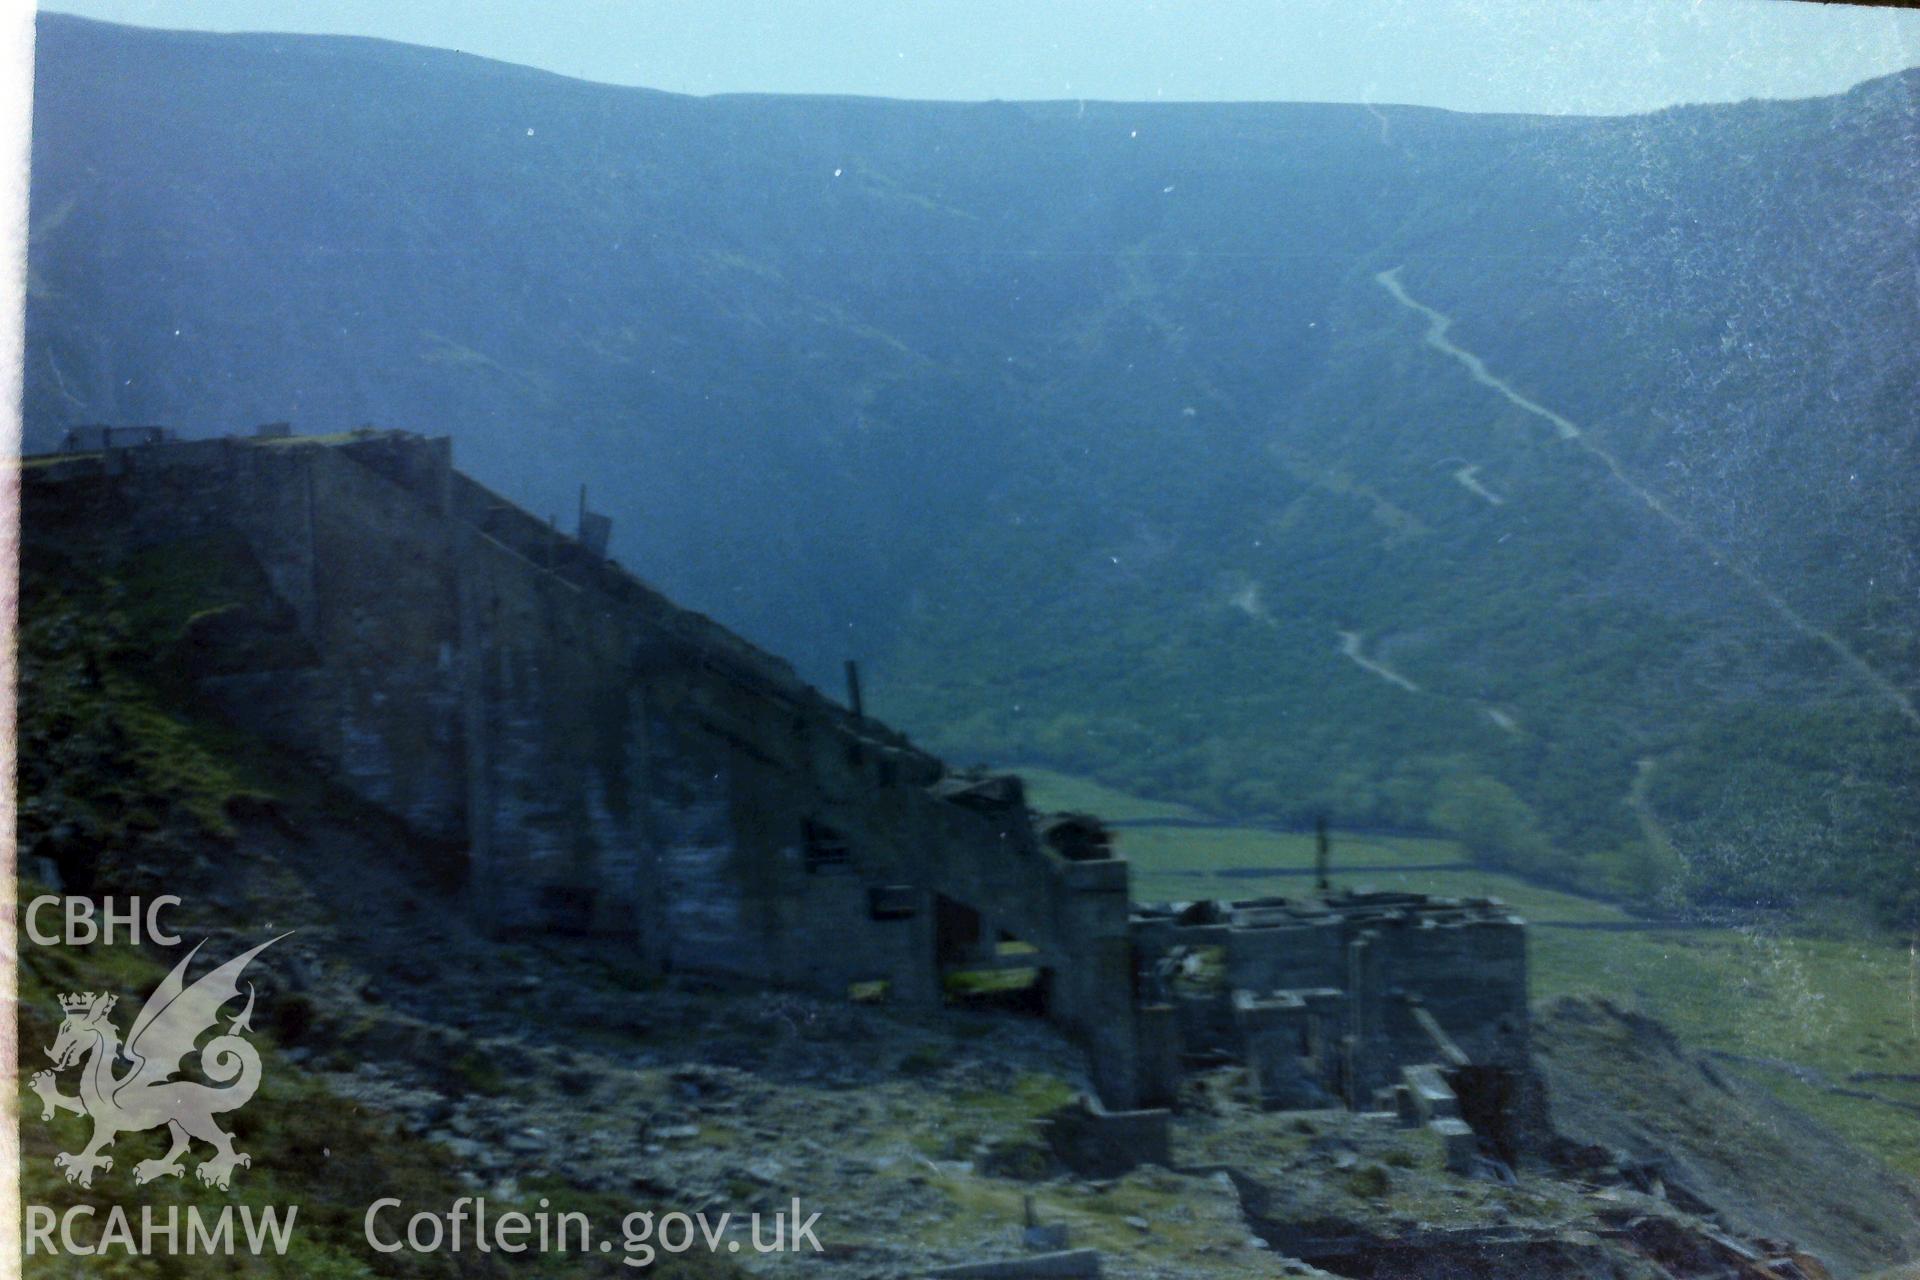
[(604, 763)]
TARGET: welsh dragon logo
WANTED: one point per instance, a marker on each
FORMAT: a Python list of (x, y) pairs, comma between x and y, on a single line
[(146, 1095)]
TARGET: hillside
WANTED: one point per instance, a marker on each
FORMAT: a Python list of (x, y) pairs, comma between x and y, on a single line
[(409, 1055), (1624, 1081), (1542, 481)]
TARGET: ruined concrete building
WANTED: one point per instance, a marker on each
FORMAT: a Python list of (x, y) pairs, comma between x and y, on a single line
[(607, 763), (1386, 1000)]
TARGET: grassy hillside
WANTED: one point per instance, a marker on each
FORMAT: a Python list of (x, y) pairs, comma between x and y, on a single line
[(407, 1055), (1540, 483)]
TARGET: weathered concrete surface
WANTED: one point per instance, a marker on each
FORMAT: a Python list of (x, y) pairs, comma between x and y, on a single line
[(1097, 1143), (608, 763), (1335, 997)]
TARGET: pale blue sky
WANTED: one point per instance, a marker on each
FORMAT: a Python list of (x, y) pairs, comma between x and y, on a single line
[(1478, 55)]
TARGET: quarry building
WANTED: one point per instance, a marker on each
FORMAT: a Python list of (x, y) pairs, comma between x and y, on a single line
[(604, 763)]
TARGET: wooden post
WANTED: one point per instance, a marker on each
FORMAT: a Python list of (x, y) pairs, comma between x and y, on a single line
[(1321, 852), (853, 688)]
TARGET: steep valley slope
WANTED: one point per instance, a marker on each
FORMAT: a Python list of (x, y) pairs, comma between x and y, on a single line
[(407, 1055), (1112, 435)]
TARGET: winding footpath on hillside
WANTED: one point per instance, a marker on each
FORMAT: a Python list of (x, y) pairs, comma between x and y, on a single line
[(1640, 800), (1438, 323), (1350, 642), (1469, 479), (1501, 719), (1352, 646)]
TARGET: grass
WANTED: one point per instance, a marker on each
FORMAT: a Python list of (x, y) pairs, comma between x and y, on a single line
[(978, 982), (1031, 1096), (1048, 789), (960, 1122), (1837, 1005), (1177, 863), (1096, 1216), (1831, 993), (108, 739)]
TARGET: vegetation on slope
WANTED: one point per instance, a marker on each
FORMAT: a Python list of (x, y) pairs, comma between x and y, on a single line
[(1093, 429)]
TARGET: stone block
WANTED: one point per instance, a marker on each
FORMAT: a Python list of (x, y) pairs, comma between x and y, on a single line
[(1457, 1143), (1048, 1237), (1097, 1143), (1273, 1039), (1157, 1030), (1432, 1098)]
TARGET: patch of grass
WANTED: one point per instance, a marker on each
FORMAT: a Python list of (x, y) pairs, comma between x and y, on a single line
[(108, 755), (1031, 1096), (954, 1125), (1368, 1182), (1836, 1005), (1051, 790), (166, 588), (923, 1060), (974, 982), (480, 1074), (1183, 863)]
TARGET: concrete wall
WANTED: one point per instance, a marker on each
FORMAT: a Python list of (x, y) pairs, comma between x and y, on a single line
[(608, 762), (1315, 995), (1470, 974), (611, 764)]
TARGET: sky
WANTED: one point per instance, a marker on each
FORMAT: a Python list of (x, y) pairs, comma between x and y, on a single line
[(1581, 56)]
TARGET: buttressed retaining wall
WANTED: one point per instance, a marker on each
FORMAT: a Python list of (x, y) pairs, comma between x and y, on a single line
[(608, 763)]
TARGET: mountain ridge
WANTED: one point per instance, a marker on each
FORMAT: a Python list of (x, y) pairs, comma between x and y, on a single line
[(1088, 426)]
